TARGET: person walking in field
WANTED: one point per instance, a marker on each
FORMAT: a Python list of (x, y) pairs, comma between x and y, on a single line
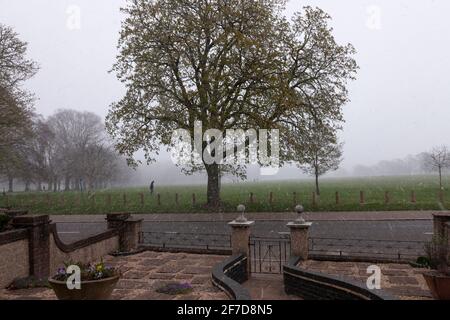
[(152, 187)]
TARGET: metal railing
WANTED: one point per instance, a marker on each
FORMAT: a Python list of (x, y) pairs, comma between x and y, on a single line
[(268, 255), (168, 240), (379, 249)]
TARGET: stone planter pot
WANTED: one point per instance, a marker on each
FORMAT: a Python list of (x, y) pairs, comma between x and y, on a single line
[(439, 284), (90, 290)]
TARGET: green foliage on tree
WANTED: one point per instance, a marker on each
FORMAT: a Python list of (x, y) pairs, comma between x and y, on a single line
[(231, 64)]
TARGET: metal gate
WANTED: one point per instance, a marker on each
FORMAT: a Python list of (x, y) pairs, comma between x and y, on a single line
[(268, 255)]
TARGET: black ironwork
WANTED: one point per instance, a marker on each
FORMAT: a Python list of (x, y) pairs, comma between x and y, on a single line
[(268, 255), (179, 240), (370, 248)]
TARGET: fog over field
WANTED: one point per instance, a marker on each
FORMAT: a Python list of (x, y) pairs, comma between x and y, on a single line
[(400, 102)]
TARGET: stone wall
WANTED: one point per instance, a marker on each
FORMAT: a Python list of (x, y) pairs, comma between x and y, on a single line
[(230, 274), (14, 256), (311, 285), (35, 249), (85, 253)]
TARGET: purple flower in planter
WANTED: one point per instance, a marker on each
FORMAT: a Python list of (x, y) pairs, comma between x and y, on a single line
[(61, 271)]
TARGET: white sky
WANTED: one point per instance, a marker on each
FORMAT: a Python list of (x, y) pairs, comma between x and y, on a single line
[(400, 101)]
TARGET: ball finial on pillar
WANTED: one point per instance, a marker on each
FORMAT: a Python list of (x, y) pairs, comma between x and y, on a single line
[(300, 210), (241, 209), (299, 235)]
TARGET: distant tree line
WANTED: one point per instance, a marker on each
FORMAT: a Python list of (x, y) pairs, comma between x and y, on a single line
[(435, 161), (67, 151)]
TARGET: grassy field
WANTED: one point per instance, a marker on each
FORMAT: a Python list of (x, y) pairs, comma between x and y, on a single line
[(399, 188)]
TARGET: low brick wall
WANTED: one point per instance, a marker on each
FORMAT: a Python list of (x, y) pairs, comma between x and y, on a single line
[(14, 252), (91, 249), (230, 274), (317, 286), (35, 249)]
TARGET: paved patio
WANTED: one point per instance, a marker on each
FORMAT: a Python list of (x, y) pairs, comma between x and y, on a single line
[(400, 280), (144, 273), (267, 287)]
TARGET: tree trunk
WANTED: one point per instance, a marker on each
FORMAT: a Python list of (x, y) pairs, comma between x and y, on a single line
[(317, 183), (66, 183), (10, 184), (440, 178), (27, 186), (213, 191)]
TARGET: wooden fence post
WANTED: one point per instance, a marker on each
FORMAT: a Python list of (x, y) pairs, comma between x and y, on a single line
[(159, 199), (387, 199), (176, 198), (337, 198), (194, 200), (142, 199), (361, 197), (271, 198), (252, 200), (413, 197), (63, 200)]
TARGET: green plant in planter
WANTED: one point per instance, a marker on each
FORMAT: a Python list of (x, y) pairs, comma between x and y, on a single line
[(96, 281), (437, 254), (438, 280), (89, 271)]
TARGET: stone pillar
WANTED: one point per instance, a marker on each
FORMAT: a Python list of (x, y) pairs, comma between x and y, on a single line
[(299, 239), (240, 238), (117, 220), (439, 224), (129, 230), (38, 241), (299, 235)]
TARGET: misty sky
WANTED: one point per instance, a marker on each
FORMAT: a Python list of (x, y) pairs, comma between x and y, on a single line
[(400, 101)]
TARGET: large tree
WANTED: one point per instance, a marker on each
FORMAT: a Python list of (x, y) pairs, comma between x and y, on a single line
[(317, 149), (75, 134), (231, 64), (16, 107)]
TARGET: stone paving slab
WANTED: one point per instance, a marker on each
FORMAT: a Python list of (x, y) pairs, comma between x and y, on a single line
[(267, 287), (144, 273), (400, 280)]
